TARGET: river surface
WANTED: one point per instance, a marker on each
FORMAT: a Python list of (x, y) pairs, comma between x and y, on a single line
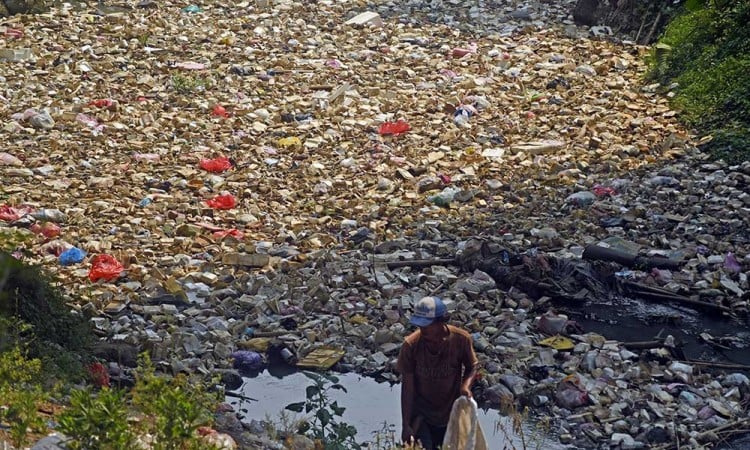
[(370, 406)]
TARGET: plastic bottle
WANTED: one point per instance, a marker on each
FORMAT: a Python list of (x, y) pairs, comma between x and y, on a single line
[(461, 116), (445, 197), (50, 215), (288, 356)]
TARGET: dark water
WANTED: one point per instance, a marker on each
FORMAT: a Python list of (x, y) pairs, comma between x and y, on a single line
[(630, 320), (370, 406)]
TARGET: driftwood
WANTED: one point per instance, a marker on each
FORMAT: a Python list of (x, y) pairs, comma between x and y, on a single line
[(717, 365), (240, 396), (644, 345), (421, 263), (663, 295), (598, 253)]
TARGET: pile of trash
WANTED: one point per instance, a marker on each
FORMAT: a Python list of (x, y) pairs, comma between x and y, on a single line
[(285, 179)]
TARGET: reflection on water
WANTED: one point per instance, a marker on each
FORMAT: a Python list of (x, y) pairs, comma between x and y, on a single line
[(369, 406)]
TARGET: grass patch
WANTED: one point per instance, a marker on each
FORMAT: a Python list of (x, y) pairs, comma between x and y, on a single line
[(706, 51)]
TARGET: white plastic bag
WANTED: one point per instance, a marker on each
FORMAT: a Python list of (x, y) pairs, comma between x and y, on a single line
[(464, 431)]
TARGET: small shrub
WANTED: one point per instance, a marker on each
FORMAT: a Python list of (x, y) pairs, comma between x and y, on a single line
[(324, 425), (186, 84), (20, 396), (97, 421), (173, 408)]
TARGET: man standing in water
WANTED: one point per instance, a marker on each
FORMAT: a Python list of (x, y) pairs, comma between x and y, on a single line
[(437, 365)]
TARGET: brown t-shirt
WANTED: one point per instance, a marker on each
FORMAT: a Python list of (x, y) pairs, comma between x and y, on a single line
[(437, 375)]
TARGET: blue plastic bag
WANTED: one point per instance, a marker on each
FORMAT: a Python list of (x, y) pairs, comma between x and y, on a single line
[(72, 256), (247, 361)]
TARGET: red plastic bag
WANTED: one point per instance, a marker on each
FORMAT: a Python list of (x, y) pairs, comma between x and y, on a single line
[(220, 111), (102, 103), (235, 233), (105, 267), (216, 165), (394, 128), (10, 213), (99, 375), (603, 191), (225, 201), (46, 229)]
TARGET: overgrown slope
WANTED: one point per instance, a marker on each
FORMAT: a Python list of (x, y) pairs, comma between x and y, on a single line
[(706, 51)]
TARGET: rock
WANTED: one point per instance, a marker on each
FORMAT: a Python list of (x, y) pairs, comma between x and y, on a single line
[(299, 442), (585, 12), (366, 18), (52, 442), (499, 395)]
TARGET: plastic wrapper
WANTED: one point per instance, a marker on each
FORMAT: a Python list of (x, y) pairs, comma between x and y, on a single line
[(105, 267)]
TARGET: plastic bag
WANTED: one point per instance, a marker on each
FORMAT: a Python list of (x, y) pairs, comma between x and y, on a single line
[(225, 201), (105, 267), (247, 361), (10, 213), (216, 165), (464, 431), (235, 233), (72, 256), (394, 128), (570, 393), (47, 229), (219, 111)]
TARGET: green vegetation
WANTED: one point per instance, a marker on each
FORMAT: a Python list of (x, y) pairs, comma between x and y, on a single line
[(97, 421), (706, 50), (34, 312), (186, 84), (323, 425), (20, 396)]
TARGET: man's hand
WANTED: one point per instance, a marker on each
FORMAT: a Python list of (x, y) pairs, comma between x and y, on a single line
[(465, 391), (407, 435)]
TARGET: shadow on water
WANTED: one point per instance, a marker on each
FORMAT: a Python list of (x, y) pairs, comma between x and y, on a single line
[(370, 407), (630, 320)]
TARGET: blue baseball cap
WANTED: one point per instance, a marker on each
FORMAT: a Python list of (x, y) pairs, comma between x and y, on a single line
[(427, 310)]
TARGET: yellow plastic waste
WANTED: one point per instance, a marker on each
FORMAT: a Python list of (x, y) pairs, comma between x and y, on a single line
[(290, 142), (358, 319), (322, 358), (558, 343), (259, 345)]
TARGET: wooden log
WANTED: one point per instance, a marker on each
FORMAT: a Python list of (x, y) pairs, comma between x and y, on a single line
[(661, 295), (599, 253), (421, 263)]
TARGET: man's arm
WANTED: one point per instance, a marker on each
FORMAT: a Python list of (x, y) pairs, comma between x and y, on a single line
[(471, 365), (407, 405), (468, 380)]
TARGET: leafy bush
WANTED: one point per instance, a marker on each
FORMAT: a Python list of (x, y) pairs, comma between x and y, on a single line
[(706, 51), (20, 397), (97, 421), (173, 408), (167, 411), (324, 425)]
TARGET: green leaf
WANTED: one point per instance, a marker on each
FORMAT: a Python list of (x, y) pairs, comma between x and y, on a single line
[(331, 378), (308, 407), (312, 391), (337, 410), (296, 407), (312, 375), (324, 416), (339, 387)]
